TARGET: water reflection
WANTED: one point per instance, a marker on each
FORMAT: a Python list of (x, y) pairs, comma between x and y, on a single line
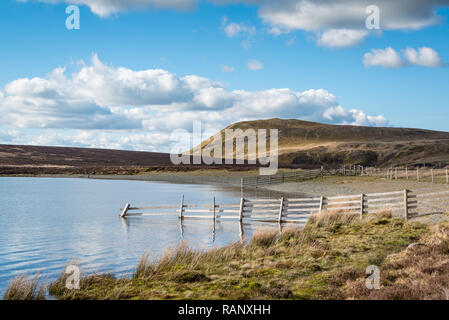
[(190, 227), (48, 222)]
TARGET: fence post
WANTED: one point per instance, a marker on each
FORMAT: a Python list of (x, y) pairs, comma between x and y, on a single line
[(241, 187), (321, 204), (181, 208), (125, 210), (406, 173), (242, 205), (213, 207), (431, 171), (362, 199), (406, 204), (417, 174), (447, 176), (281, 209)]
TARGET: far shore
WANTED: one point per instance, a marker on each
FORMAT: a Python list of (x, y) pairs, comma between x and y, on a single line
[(325, 186)]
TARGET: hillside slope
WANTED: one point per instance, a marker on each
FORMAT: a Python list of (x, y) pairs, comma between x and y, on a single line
[(311, 143)]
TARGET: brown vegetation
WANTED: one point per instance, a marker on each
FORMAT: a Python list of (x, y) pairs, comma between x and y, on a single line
[(23, 288), (325, 260)]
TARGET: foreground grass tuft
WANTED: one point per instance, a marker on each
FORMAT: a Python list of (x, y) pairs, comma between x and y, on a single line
[(23, 288), (419, 272), (324, 260)]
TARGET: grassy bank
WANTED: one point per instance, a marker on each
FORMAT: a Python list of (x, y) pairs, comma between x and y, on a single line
[(325, 260)]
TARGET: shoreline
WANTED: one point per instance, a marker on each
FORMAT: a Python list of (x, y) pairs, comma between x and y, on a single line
[(322, 186)]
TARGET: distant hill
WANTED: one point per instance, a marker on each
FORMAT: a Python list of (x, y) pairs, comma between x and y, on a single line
[(35, 160), (301, 144), (310, 143)]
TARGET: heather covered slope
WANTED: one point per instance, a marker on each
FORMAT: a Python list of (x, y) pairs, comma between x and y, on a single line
[(311, 143), (301, 144)]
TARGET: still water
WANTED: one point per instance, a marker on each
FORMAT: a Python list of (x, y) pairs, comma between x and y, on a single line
[(46, 223)]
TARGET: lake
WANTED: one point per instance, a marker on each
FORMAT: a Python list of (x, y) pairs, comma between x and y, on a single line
[(47, 223)]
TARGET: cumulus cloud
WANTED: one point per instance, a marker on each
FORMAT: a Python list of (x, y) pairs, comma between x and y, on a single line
[(341, 37), (284, 16), (233, 29), (426, 57), (121, 108), (322, 16), (255, 65), (390, 58), (387, 58), (107, 7)]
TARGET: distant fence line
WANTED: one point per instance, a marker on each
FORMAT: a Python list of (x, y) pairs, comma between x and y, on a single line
[(404, 203), (299, 175), (418, 174), (390, 174)]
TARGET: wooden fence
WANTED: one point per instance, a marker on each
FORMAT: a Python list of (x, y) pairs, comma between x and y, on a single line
[(299, 175), (417, 174), (403, 203)]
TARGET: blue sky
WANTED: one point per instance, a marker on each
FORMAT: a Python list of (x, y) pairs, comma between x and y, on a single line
[(306, 68)]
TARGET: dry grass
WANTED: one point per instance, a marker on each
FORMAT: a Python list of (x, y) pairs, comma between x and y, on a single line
[(332, 218), (421, 272), (24, 288), (321, 261), (265, 237)]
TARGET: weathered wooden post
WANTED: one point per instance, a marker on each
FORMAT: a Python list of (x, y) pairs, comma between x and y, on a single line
[(321, 204), (213, 208), (406, 204), (362, 199), (417, 174), (406, 173), (181, 208), (125, 210), (431, 171), (242, 206), (395, 173), (281, 209), (447, 176)]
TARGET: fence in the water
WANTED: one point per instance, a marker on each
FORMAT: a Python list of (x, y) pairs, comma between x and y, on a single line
[(404, 203)]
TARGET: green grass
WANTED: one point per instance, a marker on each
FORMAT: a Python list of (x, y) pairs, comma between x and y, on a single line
[(313, 263)]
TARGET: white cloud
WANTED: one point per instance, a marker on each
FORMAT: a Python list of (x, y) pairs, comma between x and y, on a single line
[(9, 136), (284, 16), (122, 108), (341, 37), (107, 7), (234, 29), (426, 57), (226, 68), (390, 58), (255, 65), (387, 58)]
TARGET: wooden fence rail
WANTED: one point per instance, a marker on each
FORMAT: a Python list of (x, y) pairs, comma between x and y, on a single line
[(402, 203), (297, 176), (417, 174)]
